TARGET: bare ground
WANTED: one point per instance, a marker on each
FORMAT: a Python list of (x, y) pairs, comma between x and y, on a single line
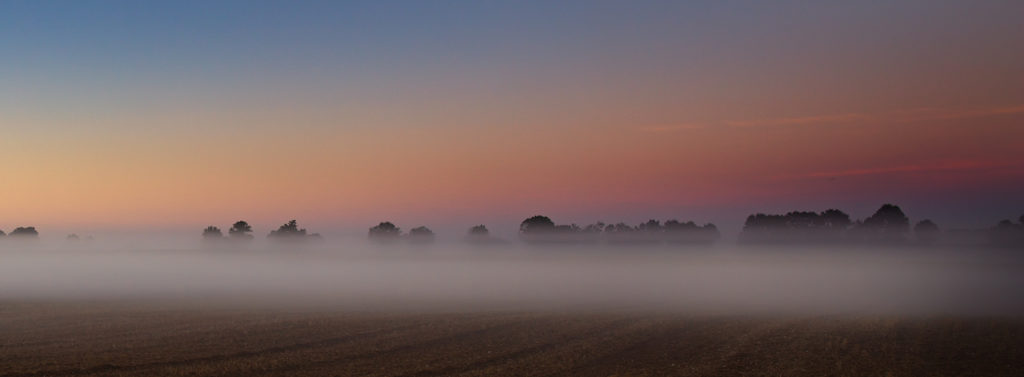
[(105, 339)]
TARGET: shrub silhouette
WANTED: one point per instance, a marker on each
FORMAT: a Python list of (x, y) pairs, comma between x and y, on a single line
[(385, 231), (72, 237), (421, 234), (481, 235), (926, 232), (240, 230), (28, 232), (211, 232), (2, 233), (289, 230), (479, 231)]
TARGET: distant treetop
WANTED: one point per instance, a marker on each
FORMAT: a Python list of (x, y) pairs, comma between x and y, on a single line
[(421, 234), (240, 230), (28, 232), (288, 230), (385, 230), (926, 232), (479, 231), (887, 224), (421, 231), (537, 225), (212, 232)]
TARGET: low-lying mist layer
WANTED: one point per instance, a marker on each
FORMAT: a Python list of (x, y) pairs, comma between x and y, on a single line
[(457, 277)]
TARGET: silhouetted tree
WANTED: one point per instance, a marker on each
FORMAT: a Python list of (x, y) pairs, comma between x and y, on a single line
[(26, 232), (240, 230), (385, 231), (288, 230), (479, 231), (542, 229), (211, 232), (421, 234), (537, 225), (651, 226), (926, 232), (835, 220), (481, 235), (888, 224), (72, 237), (2, 233)]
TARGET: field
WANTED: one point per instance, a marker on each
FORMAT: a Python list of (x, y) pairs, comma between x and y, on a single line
[(150, 339)]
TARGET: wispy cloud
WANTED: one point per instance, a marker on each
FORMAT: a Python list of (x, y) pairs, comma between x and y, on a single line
[(913, 115), (675, 127), (817, 119), (926, 114), (912, 168)]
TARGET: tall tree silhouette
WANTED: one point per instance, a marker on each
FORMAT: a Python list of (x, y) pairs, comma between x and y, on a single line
[(240, 230)]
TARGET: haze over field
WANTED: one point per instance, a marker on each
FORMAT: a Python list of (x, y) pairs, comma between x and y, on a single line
[(455, 277)]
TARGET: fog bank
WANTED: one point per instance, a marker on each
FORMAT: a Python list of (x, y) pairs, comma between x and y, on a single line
[(458, 277)]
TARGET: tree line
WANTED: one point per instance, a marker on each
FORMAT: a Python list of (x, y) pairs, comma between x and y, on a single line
[(22, 232), (242, 231), (541, 229), (887, 225)]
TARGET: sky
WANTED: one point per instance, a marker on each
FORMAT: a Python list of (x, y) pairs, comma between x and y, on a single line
[(137, 116)]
